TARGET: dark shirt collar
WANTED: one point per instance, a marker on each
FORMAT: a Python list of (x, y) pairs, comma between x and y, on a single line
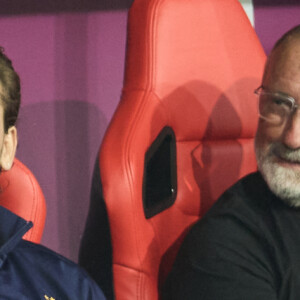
[(12, 229)]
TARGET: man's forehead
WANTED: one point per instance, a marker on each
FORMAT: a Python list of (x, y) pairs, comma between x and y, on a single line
[(284, 62)]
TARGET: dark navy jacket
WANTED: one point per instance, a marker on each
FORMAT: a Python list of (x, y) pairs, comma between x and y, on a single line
[(31, 271)]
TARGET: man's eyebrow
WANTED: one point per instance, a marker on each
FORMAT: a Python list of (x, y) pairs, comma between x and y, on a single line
[(278, 92), (285, 95)]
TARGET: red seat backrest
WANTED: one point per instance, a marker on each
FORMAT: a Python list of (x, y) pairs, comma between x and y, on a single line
[(21, 194), (191, 68)]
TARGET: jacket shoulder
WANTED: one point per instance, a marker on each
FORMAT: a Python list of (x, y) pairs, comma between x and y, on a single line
[(64, 276)]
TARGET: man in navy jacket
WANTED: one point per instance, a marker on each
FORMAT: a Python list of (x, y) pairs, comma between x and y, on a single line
[(27, 270)]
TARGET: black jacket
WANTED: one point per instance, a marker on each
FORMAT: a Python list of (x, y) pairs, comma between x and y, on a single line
[(246, 247)]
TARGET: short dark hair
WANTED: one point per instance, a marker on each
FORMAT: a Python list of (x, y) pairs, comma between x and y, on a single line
[(11, 91)]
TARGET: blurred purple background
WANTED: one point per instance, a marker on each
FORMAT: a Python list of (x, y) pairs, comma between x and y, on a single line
[(70, 56)]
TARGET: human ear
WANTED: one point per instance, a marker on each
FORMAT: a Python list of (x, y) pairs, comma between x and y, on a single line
[(9, 147)]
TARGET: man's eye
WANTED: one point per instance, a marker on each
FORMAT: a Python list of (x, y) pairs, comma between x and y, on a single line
[(281, 102)]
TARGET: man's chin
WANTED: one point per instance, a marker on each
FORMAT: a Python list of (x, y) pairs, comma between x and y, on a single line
[(284, 182)]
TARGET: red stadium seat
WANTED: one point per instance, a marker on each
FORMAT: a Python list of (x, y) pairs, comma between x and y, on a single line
[(182, 132), (21, 194)]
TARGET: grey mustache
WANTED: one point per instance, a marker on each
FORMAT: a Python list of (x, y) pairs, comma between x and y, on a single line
[(292, 155)]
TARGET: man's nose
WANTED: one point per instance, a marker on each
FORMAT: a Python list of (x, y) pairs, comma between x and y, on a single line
[(291, 134)]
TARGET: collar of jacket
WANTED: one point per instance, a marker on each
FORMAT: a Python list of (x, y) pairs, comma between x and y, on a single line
[(12, 229)]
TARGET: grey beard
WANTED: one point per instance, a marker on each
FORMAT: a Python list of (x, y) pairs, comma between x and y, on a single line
[(283, 182)]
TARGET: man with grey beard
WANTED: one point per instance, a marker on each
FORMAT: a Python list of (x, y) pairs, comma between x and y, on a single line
[(248, 245)]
